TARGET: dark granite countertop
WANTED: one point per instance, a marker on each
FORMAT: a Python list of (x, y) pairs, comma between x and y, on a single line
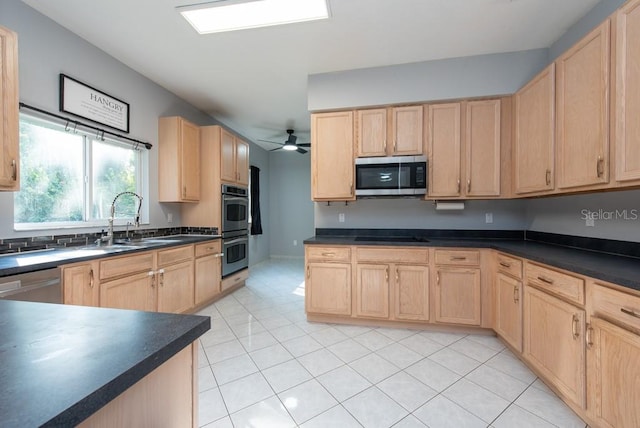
[(13, 264), (616, 269), (60, 364)]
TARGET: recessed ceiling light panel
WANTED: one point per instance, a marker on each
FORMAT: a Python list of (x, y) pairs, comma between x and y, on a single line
[(219, 16)]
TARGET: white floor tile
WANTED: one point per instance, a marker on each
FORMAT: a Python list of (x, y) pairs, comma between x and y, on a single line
[(374, 368), (257, 341), (516, 416), (454, 361), (274, 322), (343, 382), (442, 338), (206, 380), (287, 332), (220, 423), (349, 350), (420, 344), (399, 355), (269, 413), (211, 407), (328, 336), (373, 409), (549, 407), (444, 413), (307, 400), (407, 391), (474, 350), (320, 362), (311, 327), (336, 417), (224, 351), (396, 333), (511, 366), (212, 337), (301, 345), (352, 330), (243, 330), (373, 340), (270, 356), (433, 374), (490, 341), (234, 368), (481, 402), (410, 422), (286, 375), (246, 391), (497, 382)]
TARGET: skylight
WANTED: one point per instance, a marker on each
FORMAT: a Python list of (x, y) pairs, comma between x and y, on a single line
[(230, 15)]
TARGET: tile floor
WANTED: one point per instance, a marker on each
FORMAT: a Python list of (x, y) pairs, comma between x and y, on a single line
[(262, 365)]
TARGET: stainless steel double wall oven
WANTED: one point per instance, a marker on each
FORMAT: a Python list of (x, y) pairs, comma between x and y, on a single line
[(235, 229)]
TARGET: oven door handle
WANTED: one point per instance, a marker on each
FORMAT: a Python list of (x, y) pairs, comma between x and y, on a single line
[(227, 198), (235, 241)]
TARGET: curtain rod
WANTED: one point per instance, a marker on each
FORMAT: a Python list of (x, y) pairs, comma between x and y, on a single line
[(99, 130)]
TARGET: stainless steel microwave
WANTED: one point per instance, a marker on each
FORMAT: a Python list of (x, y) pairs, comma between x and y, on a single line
[(391, 176)]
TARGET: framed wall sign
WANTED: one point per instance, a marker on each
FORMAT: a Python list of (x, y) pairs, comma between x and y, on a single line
[(89, 103)]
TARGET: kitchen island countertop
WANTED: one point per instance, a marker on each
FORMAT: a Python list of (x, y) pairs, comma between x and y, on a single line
[(62, 363)]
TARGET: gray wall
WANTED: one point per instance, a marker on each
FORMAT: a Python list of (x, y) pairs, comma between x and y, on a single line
[(419, 214), (290, 206), (616, 214), (47, 49)]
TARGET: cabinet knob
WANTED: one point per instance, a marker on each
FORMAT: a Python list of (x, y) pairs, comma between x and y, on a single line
[(14, 170), (588, 335), (548, 177), (91, 278), (575, 328), (516, 294), (468, 186), (599, 165)]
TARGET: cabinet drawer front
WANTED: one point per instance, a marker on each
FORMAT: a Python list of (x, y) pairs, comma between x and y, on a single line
[(126, 265), (175, 255), (207, 248), (509, 265), (555, 282), (458, 257), (620, 307), (342, 254), (392, 255)]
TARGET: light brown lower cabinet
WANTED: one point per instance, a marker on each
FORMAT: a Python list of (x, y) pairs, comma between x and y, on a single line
[(166, 397), (508, 320), (137, 292), (328, 288), (554, 342), (81, 284), (208, 271), (372, 291), (411, 293), (457, 295)]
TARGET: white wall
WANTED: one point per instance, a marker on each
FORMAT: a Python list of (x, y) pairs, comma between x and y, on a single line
[(290, 206)]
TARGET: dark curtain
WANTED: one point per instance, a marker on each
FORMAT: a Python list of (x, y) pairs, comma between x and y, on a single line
[(256, 220)]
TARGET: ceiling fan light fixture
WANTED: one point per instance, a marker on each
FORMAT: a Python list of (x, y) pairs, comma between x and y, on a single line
[(290, 147), (230, 15)]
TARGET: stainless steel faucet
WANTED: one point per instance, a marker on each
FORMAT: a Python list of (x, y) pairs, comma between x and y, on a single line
[(136, 220)]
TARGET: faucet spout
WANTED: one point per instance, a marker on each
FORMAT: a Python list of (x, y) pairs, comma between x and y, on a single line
[(113, 214)]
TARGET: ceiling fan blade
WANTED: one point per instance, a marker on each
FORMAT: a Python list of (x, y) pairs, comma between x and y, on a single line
[(273, 150), (304, 144), (272, 142), (300, 150)]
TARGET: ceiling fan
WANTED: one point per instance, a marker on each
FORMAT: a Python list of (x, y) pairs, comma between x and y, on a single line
[(290, 144)]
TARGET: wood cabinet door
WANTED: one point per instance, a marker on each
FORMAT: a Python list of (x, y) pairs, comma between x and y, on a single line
[(457, 296), (372, 132), (190, 161), (227, 156), (208, 277), (372, 291), (482, 147), (582, 108), (613, 375), (242, 162), (328, 288), (534, 143), (9, 140), (136, 292), (406, 128), (176, 288), (332, 166), (508, 321), (411, 293), (627, 95), (443, 140), (80, 284), (554, 342)]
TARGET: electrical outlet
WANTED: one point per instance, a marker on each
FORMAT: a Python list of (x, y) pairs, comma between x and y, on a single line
[(341, 217), (295, 242), (170, 218), (488, 218)]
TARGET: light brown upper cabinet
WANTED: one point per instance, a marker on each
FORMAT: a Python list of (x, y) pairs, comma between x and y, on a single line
[(332, 166), (178, 160), (533, 148), (582, 108), (393, 131), (627, 93), (477, 174), (234, 159), (9, 146)]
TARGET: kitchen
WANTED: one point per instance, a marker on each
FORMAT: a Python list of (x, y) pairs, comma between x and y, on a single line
[(44, 61)]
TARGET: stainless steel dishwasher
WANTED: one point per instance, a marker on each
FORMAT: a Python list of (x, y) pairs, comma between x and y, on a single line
[(40, 286)]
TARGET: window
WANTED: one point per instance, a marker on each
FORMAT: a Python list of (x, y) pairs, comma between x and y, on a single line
[(69, 177)]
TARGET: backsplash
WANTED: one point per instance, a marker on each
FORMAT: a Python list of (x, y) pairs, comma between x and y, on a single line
[(32, 243)]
